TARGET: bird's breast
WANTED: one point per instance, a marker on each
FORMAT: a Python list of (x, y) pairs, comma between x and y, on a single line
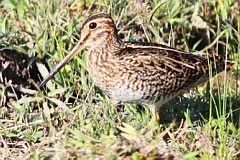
[(116, 78)]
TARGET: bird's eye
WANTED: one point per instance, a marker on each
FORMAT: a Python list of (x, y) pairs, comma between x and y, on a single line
[(93, 25)]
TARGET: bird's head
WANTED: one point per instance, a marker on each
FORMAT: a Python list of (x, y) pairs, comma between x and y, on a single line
[(97, 30)]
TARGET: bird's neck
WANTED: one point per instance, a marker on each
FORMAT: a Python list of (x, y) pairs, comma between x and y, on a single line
[(103, 56), (108, 47)]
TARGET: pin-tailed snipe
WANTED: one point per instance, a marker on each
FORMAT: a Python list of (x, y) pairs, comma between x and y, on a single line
[(149, 74)]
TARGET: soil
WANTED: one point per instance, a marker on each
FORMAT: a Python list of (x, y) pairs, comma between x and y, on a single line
[(15, 75)]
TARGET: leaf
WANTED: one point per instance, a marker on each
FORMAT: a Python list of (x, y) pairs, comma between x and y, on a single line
[(128, 136), (57, 91), (176, 20), (130, 132), (191, 155), (20, 9), (4, 23), (44, 73), (128, 129), (199, 22), (59, 103), (79, 136), (24, 100)]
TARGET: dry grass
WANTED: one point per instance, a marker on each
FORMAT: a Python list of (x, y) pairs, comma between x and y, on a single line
[(72, 119)]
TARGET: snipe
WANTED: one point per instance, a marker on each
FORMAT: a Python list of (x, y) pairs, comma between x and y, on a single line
[(149, 74)]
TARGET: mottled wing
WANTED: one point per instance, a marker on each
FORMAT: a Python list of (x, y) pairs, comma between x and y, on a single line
[(164, 68)]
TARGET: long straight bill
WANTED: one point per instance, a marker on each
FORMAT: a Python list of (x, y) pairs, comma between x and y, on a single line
[(78, 48)]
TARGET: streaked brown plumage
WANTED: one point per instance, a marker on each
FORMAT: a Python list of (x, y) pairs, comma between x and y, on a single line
[(145, 73)]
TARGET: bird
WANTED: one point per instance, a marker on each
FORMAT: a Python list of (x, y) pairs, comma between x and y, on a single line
[(148, 74)]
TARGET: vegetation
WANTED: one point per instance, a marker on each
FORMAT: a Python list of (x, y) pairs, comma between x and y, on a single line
[(71, 118)]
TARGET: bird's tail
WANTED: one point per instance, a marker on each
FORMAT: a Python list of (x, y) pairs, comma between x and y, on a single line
[(218, 63)]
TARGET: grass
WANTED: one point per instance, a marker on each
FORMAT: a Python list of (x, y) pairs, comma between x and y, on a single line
[(73, 119)]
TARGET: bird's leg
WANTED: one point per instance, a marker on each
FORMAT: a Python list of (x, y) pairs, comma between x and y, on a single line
[(155, 114), (117, 104)]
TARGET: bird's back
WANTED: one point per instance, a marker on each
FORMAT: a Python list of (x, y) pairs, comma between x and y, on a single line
[(151, 72)]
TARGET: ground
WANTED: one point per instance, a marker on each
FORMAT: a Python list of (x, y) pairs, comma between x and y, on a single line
[(72, 119)]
